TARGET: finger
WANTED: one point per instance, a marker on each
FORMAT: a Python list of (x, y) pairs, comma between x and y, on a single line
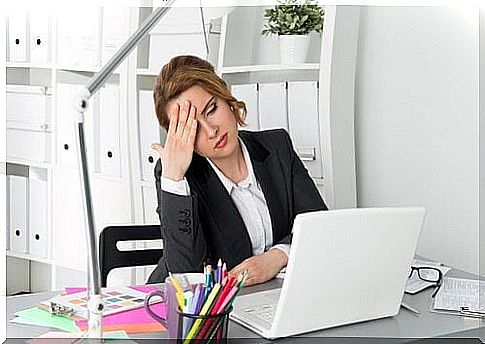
[(158, 147), (174, 116), (183, 115), (189, 128)]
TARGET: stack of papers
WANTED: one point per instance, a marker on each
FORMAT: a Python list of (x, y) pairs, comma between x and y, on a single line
[(457, 295), (135, 320), (415, 284)]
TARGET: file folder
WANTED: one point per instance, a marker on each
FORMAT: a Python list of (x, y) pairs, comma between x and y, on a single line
[(248, 93), (38, 234), (304, 127), (18, 226), (149, 133), (109, 131), (40, 36), (18, 40), (272, 106)]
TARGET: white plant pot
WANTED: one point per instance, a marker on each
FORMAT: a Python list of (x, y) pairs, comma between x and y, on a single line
[(293, 48)]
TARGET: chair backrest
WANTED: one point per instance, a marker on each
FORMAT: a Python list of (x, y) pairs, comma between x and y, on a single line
[(110, 257)]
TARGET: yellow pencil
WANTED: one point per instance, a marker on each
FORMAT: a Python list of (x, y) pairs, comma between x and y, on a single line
[(204, 311), (179, 291)]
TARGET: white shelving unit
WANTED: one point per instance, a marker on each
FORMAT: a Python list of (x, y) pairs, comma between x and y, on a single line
[(130, 196)]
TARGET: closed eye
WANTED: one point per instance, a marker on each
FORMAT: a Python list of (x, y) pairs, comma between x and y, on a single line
[(212, 110)]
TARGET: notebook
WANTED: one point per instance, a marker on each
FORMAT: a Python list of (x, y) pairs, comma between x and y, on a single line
[(345, 266)]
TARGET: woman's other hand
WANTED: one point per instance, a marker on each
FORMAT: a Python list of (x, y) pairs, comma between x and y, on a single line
[(177, 153), (262, 267)]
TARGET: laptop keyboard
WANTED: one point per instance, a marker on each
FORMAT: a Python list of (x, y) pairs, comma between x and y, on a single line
[(263, 312)]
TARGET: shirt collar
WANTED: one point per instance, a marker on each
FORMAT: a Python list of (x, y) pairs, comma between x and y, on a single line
[(229, 184)]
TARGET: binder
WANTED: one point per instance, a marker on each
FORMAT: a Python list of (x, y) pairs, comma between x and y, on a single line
[(116, 25), (29, 145), (164, 46), (149, 133), (40, 36), (179, 32), (18, 40), (66, 140), (248, 93), (28, 107), (38, 234), (109, 131), (18, 226), (303, 124), (8, 209), (78, 31), (272, 106)]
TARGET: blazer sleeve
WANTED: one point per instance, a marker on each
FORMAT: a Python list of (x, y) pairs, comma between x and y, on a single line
[(184, 244), (306, 196)]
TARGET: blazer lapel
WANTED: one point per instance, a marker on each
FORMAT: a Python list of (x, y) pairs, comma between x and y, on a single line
[(270, 177), (229, 223)]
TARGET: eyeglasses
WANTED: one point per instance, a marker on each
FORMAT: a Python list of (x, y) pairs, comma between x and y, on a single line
[(429, 274)]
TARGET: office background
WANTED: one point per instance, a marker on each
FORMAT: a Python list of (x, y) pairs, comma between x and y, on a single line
[(411, 74)]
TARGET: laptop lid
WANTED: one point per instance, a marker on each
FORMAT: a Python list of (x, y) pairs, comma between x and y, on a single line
[(346, 266)]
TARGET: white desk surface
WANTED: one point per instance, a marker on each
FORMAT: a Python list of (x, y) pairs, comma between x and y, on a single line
[(404, 327)]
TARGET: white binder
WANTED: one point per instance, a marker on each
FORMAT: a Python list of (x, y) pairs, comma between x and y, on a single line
[(248, 93), (38, 234), (28, 107), (149, 133), (29, 145), (116, 25), (7, 217), (18, 40), (303, 124), (66, 145), (40, 36), (272, 106), (78, 31), (109, 131), (18, 226)]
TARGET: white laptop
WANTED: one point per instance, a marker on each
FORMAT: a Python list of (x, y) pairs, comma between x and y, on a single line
[(345, 266)]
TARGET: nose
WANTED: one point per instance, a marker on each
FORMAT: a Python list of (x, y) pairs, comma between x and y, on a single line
[(210, 129)]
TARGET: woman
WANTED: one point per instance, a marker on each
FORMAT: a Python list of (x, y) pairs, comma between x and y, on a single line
[(222, 193)]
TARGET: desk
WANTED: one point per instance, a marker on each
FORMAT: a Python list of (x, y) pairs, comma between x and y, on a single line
[(404, 327)]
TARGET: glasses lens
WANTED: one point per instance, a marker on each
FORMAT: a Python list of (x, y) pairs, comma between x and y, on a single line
[(429, 275)]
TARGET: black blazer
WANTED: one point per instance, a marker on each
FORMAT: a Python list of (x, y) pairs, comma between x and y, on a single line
[(206, 225)]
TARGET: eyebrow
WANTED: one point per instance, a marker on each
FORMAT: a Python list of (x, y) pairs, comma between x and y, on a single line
[(207, 105)]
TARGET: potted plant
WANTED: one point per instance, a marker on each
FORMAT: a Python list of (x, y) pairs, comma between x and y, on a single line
[(292, 21)]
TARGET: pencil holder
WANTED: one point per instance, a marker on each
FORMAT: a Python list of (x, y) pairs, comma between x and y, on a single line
[(203, 328)]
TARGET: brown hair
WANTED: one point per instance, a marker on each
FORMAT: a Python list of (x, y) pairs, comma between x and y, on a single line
[(183, 72)]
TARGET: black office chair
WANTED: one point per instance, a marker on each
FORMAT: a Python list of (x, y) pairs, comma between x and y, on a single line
[(110, 257)]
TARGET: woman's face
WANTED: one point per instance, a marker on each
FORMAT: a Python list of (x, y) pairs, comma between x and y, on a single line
[(216, 124)]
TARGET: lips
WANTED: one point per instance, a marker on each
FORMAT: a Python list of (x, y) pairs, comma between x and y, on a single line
[(221, 142)]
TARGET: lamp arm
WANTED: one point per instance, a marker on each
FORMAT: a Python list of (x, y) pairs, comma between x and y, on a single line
[(95, 302)]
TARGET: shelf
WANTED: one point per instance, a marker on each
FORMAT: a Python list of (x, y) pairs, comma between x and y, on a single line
[(29, 65), (269, 68), (38, 164), (29, 257)]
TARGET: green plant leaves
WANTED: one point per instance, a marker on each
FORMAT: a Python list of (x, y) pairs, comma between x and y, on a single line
[(291, 18)]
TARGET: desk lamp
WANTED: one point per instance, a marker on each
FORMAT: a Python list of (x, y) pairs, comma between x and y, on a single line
[(95, 302)]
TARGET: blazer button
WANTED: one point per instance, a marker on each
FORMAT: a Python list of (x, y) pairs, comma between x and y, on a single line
[(185, 212), (185, 221)]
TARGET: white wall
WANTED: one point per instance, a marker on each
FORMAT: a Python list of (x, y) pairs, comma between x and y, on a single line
[(416, 122)]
